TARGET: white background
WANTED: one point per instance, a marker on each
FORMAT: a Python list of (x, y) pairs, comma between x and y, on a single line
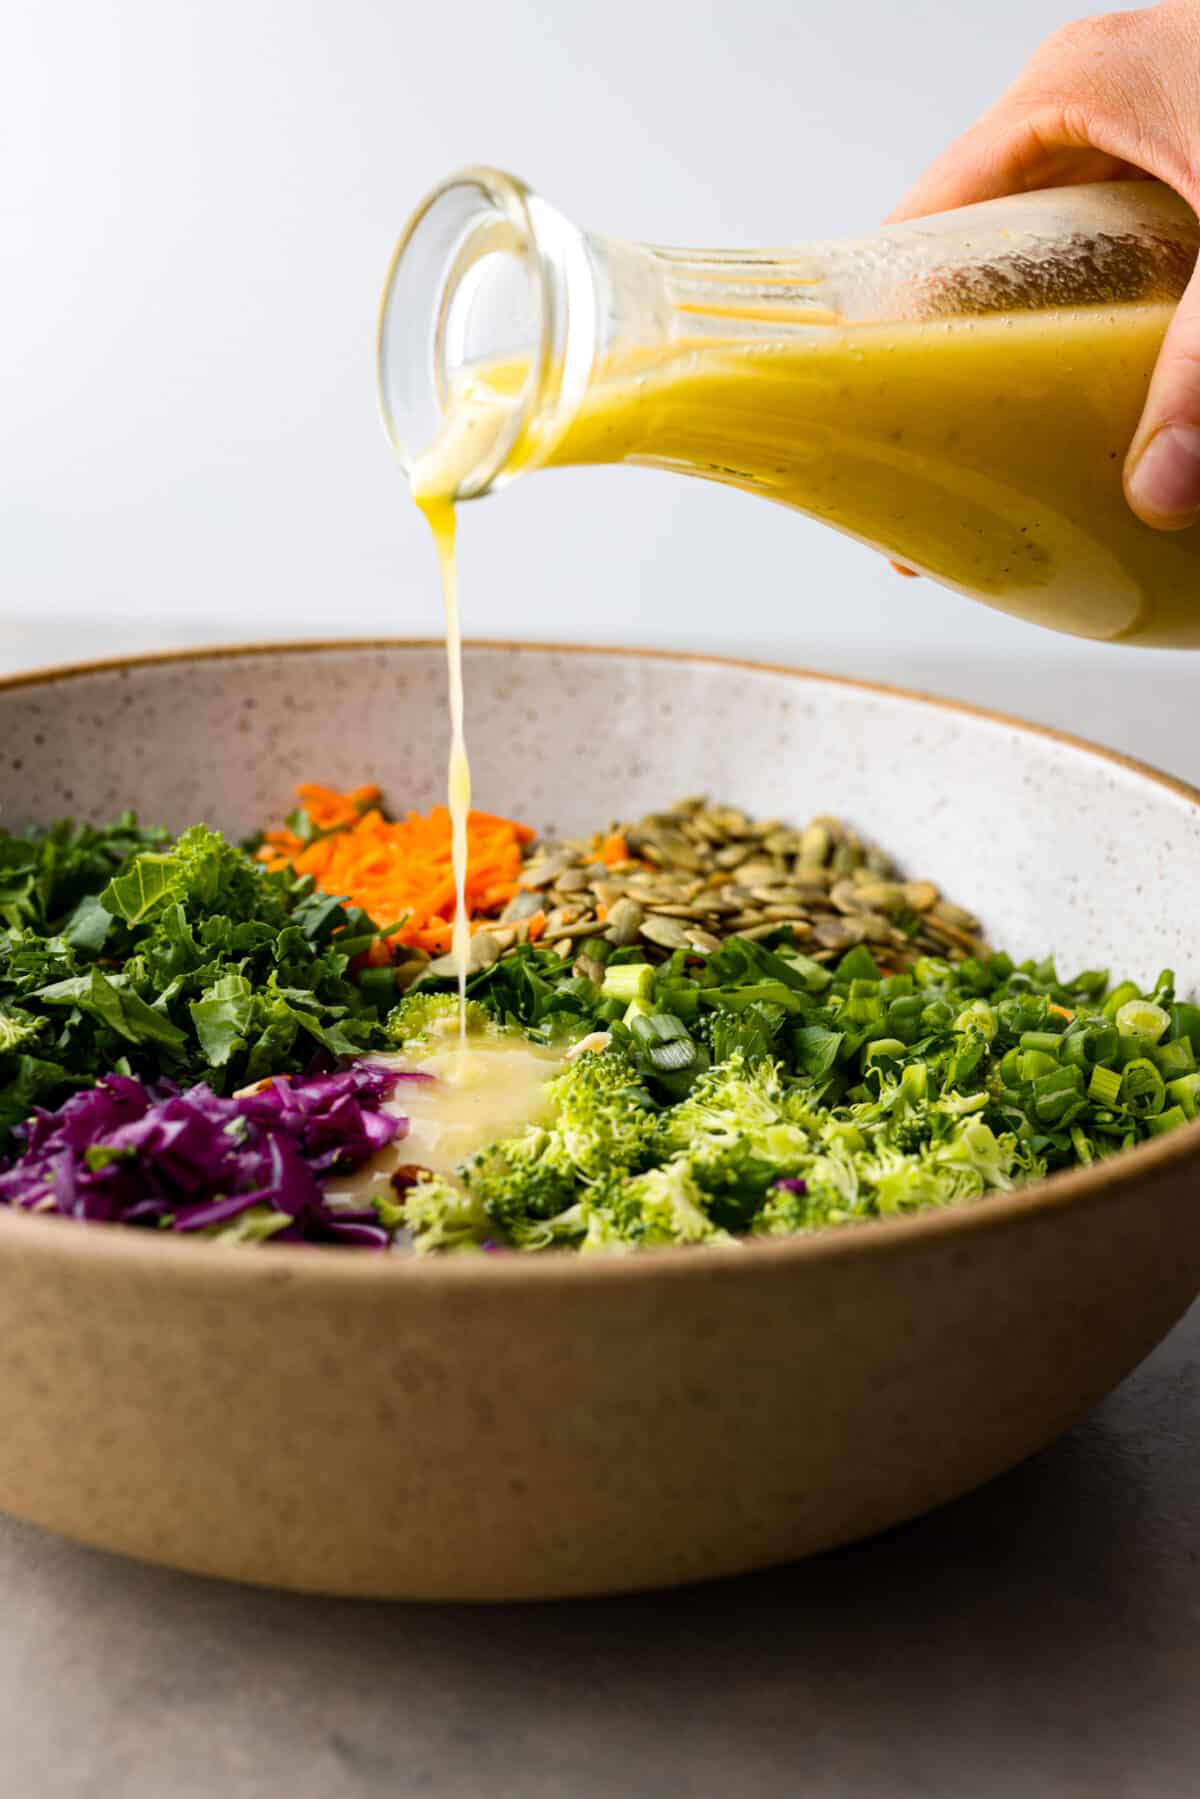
[(197, 204)]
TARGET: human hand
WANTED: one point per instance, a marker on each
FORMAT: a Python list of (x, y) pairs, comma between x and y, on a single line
[(1103, 99)]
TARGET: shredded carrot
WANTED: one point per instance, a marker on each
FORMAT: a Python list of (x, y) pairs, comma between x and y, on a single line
[(537, 925), (613, 850), (1063, 1011), (399, 870)]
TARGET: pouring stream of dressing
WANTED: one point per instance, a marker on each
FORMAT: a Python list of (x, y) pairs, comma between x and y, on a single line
[(439, 514), (435, 478)]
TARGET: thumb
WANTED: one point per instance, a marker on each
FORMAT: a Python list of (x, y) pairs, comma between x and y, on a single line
[(1162, 469)]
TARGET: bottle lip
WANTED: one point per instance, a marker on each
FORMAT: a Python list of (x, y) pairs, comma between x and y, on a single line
[(471, 277)]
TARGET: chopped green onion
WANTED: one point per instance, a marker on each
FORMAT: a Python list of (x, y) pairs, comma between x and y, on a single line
[(1035, 1064), (1082, 1147), (1185, 1022), (914, 1082), (903, 1017), (1142, 1088), (932, 971), (864, 1010), (1170, 1120), (1046, 1041), (628, 980), (1142, 1018), (1119, 997), (1185, 1092), (1090, 1043), (665, 1039), (1164, 988), (637, 1008), (1173, 1059), (1055, 1095), (890, 1047), (858, 964), (1104, 1086), (1130, 1048)]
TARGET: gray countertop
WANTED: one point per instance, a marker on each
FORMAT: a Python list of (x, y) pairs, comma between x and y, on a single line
[(1041, 1636)]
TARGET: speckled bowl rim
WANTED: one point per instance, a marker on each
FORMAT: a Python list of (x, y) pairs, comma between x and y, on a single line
[(324, 1267)]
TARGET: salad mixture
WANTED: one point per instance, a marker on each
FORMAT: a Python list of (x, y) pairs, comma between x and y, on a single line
[(695, 1028)]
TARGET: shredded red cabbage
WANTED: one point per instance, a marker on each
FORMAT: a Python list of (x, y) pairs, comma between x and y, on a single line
[(791, 1184), (123, 1152)]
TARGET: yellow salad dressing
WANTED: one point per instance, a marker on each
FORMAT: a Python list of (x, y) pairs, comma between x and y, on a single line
[(474, 1100), (440, 515), (985, 451)]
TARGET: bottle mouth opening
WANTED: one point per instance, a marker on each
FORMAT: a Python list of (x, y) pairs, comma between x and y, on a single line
[(470, 283)]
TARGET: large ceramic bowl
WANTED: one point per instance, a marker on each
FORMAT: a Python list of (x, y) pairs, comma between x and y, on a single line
[(495, 1427)]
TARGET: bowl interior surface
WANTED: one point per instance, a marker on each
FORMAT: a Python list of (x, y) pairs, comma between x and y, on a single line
[(1057, 848)]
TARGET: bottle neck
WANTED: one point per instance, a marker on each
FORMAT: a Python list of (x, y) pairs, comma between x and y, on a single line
[(486, 277), (497, 313)]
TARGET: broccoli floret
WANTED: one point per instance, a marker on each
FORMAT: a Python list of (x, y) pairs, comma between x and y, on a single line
[(788, 1210), (975, 1150), (664, 1205), (911, 1132), (421, 1017), (18, 1030), (602, 1126), (442, 1214), (523, 1179), (738, 1130), (901, 1183), (604, 1120)]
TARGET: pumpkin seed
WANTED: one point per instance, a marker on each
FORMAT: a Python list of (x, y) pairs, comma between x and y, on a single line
[(704, 941), (608, 892), (759, 874), (815, 842), (624, 922), (668, 933), (945, 913), (545, 871), (484, 951), (573, 928), (521, 905), (882, 896), (833, 933), (844, 895), (920, 895)]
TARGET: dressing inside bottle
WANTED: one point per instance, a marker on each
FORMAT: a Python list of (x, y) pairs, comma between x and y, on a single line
[(959, 391)]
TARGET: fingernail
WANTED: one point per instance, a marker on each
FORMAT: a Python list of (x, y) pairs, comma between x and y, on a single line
[(1164, 482)]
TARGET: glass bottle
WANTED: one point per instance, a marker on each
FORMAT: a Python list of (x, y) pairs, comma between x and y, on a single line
[(957, 391)]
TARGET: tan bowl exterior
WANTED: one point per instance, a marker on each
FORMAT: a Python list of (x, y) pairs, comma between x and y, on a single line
[(501, 1428)]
